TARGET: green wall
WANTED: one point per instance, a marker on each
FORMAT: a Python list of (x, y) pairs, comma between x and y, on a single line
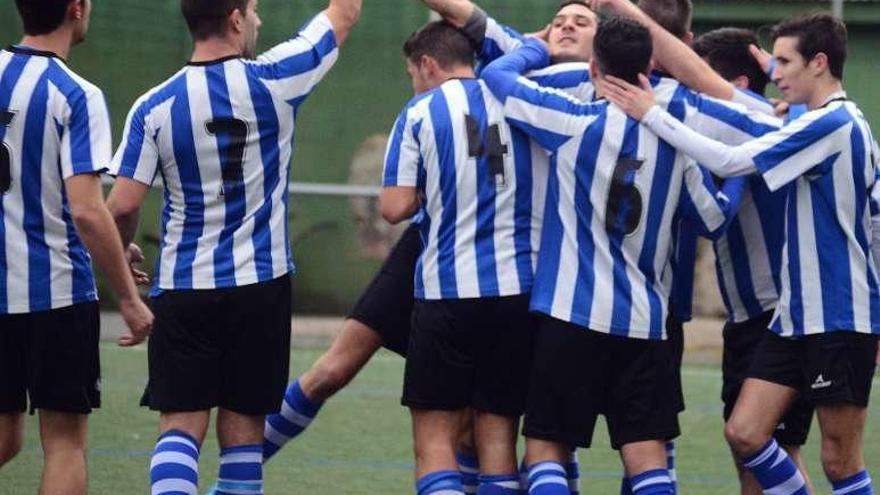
[(135, 44)]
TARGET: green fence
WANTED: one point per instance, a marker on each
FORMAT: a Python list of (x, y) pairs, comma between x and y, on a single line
[(135, 44)]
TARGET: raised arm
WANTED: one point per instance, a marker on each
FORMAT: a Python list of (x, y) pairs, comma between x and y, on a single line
[(675, 56), (548, 115), (455, 12), (343, 15)]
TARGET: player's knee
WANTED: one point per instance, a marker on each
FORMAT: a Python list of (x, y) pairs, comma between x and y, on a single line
[(743, 438), (329, 377)]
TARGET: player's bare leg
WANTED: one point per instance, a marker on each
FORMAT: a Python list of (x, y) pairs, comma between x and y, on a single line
[(348, 354), (759, 408), (749, 432), (238, 429), (842, 426), (63, 436), (495, 437), (434, 440), (11, 436), (194, 424)]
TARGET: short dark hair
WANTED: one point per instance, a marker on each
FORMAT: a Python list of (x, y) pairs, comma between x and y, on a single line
[(817, 33), (622, 48), (208, 18), (566, 3), (727, 51), (673, 15), (42, 16), (443, 42)]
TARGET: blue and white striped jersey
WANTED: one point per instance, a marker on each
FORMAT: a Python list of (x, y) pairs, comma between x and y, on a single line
[(220, 134), (453, 144), (496, 40), (828, 275), (53, 125), (748, 256), (613, 192)]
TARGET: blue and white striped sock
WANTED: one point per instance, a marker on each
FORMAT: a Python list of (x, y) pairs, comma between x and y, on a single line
[(241, 470), (653, 482), (502, 484), (775, 471), (547, 478), (573, 473), (469, 466), (670, 465), (174, 468), (857, 484), (297, 413), (440, 483)]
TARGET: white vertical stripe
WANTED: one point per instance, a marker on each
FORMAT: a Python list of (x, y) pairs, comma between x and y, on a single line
[(466, 274), (51, 186), (728, 280), (811, 282), (210, 173), (252, 175), (504, 237), (174, 225), (434, 205), (759, 258), (563, 297)]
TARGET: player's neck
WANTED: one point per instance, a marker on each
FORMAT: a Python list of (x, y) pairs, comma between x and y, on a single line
[(214, 49), (463, 72), (823, 92), (57, 42)]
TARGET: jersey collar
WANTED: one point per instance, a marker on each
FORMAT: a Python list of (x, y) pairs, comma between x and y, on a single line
[(26, 50)]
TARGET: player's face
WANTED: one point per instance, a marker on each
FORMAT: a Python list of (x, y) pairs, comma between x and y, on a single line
[(252, 25), (81, 28), (571, 34), (792, 74), (416, 76)]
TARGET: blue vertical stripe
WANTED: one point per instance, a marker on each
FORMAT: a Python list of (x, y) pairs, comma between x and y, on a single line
[(621, 312), (522, 230), (547, 269), (79, 125), (9, 80), (82, 279), (268, 125), (39, 277), (796, 298), (835, 278), (233, 190), (585, 171), (487, 271), (187, 162), (445, 140)]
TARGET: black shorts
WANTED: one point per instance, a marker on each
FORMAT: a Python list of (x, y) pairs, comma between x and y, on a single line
[(741, 341), (470, 353), (675, 340), (829, 368), (52, 358), (578, 374), (386, 304), (224, 347)]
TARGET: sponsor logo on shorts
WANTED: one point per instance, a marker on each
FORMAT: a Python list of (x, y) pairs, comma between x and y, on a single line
[(820, 383)]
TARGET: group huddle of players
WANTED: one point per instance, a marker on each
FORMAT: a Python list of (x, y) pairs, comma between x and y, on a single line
[(556, 184)]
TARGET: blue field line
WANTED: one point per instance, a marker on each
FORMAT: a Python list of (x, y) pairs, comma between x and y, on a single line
[(403, 466)]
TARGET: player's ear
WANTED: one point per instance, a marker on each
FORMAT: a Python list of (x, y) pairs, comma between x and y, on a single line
[(236, 21), (595, 73), (819, 64), (76, 9)]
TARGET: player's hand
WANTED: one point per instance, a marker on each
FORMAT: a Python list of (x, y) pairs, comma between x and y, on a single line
[(139, 320), (543, 34), (636, 101), (763, 57), (780, 107), (134, 255), (619, 7)]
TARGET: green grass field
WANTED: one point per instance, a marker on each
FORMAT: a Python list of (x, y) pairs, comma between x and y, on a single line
[(360, 443)]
